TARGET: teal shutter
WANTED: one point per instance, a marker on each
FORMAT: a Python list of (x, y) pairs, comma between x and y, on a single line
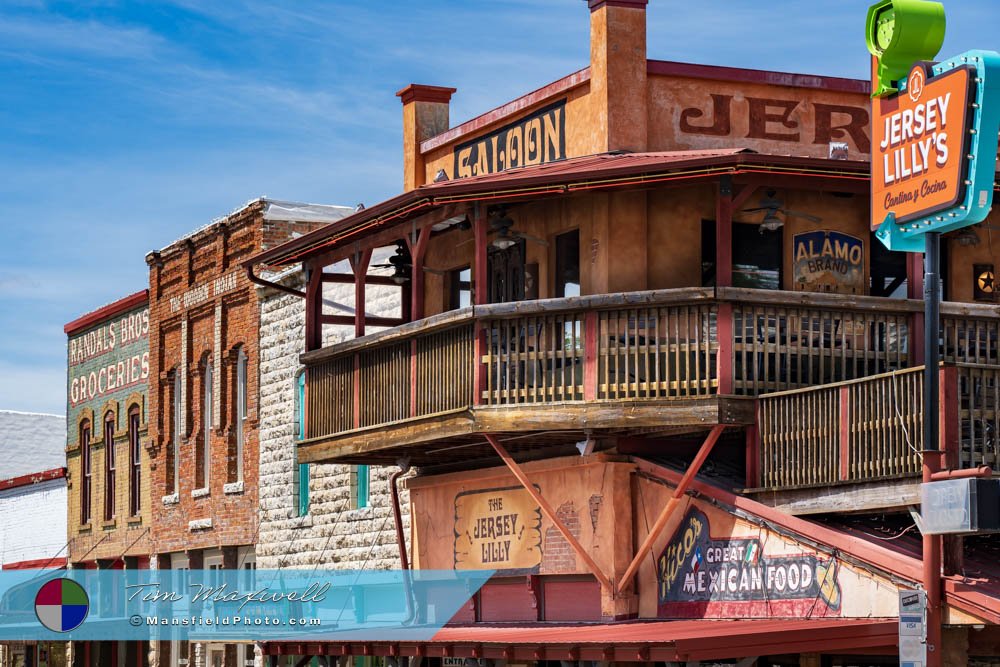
[(362, 499), (300, 388)]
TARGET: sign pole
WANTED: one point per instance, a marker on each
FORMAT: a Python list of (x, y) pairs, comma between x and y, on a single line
[(931, 456)]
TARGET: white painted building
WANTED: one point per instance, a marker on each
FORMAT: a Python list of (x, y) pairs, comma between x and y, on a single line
[(343, 520), (32, 512)]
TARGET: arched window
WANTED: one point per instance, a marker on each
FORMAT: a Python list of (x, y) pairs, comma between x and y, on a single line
[(135, 459), (176, 410), (204, 454), (242, 366), (85, 472), (109, 466)]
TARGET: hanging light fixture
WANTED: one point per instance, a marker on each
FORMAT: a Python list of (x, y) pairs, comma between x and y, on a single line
[(771, 223), (967, 237)]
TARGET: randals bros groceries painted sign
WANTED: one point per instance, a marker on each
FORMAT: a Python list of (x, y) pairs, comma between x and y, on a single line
[(700, 577)]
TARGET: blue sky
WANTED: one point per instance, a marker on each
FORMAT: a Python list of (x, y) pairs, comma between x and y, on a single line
[(125, 125)]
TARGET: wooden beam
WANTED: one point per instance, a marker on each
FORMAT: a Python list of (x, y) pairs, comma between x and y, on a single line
[(856, 497), (668, 509), (348, 278), (359, 263), (349, 320), (549, 512), (314, 309), (418, 250)]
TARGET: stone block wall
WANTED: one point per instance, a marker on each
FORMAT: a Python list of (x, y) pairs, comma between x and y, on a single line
[(334, 533)]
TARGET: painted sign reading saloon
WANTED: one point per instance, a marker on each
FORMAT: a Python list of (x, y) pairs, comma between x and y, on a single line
[(919, 143), (828, 261), (535, 139), (497, 529), (701, 576)]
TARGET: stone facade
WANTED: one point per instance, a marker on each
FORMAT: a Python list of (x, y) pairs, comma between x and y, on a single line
[(107, 385), (334, 533), (205, 370)]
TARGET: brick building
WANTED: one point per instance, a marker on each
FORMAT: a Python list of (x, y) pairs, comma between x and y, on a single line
[(107, 514), (326, 515), (205, 364), (32, 513)]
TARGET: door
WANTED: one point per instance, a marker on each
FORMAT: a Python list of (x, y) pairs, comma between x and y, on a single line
[(506, 270), (215, 656)]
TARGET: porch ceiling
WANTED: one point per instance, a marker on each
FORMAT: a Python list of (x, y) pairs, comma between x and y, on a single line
[(455, 439)]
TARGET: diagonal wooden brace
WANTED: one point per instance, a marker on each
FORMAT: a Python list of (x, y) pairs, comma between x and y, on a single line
[(668, 509), (547, 510)]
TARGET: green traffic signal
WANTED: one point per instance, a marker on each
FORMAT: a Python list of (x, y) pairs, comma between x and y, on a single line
[(900, 33)]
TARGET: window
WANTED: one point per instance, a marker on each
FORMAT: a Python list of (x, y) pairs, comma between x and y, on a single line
[(302, 469), (109, 466), (362, 476), (85, 472), (176, 445), (135, 460), (459, 288), (204, 455), (756, 256), (567, 281), (241, 408)]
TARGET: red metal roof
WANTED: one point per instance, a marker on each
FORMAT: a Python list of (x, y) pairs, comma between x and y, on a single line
[(637, 641), (578, 174)]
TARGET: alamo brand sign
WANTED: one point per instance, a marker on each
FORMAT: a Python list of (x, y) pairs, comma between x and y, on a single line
[(497, 529), (538, 138), (109, 358), (700, 576), (828, 261), (919, 142)]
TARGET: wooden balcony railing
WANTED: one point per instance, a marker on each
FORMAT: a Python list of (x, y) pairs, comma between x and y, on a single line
[(872, 428), (655, 345)]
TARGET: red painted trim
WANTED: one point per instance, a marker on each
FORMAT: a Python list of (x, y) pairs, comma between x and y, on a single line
[(522, 103), (845, 433), (949, 415), (416, 92), (33, 478), (104, 312), (36, 564), (724, 358), (590, 357), (766, 77), (886, 559)]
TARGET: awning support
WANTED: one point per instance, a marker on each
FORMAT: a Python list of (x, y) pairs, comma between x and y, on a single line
[(548, 511), (668, 509)]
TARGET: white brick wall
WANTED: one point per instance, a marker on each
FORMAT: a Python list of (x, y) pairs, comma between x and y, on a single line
[(333, 534), (33, 522)]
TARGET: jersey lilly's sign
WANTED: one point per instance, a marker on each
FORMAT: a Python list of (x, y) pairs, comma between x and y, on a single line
[(497, 529), (535, 139), (934, 149), (700, 576)]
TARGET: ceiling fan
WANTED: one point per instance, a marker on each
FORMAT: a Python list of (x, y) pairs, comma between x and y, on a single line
[(772, 206), (401, 264), (502, 225)]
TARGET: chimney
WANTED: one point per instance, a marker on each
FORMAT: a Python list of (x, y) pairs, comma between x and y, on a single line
[(425, 115), (618, 72)]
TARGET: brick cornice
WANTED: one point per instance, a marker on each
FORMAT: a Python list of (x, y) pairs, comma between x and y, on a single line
[(416, 92), (634, 4)]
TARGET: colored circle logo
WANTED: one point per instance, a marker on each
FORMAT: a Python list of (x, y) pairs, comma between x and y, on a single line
[(61, 605)]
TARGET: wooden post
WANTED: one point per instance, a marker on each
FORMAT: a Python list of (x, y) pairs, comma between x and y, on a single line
[(359, 263), (845, 433), (724, 233), (549, 511), (314, 308), (418, 249), (590, 344), (668, 509), (948, 406), (480, 268), (724, 360)]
